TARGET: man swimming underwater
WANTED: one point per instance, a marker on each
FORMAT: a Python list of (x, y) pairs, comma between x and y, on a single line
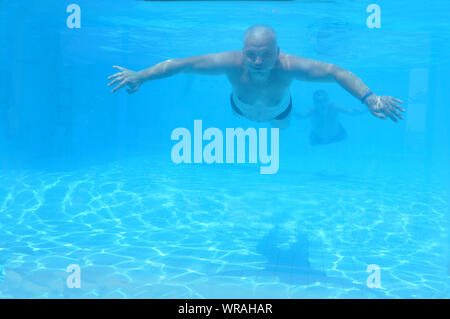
[(260, 76), (326, 127)]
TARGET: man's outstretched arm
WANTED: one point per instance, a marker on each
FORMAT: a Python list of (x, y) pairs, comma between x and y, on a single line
[(215, 63), (312, 70)]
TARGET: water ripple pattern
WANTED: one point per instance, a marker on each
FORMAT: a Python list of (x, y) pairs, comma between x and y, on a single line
[(152, 229)]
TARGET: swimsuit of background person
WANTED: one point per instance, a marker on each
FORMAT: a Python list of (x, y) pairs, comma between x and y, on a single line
[(316, 139)]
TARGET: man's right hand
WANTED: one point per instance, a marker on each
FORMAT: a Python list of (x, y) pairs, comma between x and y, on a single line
[(125, 77)]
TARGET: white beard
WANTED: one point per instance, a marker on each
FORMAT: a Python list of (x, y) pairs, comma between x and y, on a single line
[(260, 77)]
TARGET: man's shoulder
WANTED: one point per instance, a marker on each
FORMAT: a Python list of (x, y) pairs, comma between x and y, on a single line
[(292, 62), (231, 58)]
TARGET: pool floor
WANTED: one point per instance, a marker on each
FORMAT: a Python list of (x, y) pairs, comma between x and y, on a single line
[(148, 228)]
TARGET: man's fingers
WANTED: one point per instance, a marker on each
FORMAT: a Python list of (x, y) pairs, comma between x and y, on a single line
[(398, 107), (397, 100), (121, 85), (114, 75), (379, 115), (115, 81), (397, 113), (395, 105), (388, 113), (118, 68)]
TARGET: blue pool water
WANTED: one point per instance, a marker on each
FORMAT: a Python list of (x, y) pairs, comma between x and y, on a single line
[(87, 179)]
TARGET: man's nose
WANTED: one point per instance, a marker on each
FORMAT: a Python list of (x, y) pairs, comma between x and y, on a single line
[(258, 60)]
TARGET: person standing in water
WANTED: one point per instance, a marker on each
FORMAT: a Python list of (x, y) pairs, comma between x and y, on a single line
[(325, 119), (260, 76)]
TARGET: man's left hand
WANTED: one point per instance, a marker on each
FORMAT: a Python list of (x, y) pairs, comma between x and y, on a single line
[(385, 106)]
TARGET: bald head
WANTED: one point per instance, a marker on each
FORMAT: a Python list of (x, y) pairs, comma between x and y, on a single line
[(260, 49), (260, 33)]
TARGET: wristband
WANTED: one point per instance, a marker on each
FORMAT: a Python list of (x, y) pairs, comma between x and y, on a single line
[(366, 96)]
